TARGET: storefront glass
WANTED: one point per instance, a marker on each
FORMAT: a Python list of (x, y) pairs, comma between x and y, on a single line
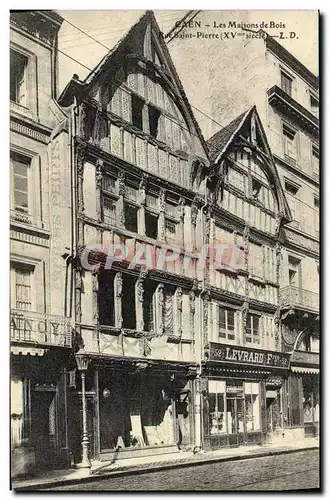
[(234, 406)]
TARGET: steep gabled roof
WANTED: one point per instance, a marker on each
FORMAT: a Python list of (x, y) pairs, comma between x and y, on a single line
[(76, 86), (220, 142)]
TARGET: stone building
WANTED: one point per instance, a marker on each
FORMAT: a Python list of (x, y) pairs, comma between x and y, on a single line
[(40, 335), (254, 69)]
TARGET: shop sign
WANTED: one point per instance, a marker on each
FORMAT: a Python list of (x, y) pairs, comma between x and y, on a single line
[(277, 381), (247, 356), (234, 389)]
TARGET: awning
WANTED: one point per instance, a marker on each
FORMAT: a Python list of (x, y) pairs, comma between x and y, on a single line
[(303, 369), (25, 351)]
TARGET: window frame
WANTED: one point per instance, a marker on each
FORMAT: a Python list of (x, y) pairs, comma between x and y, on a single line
[(31, 107), (226, 331), (252, 334), (22, 265), (286, 131), (34, 202), (285, 75)]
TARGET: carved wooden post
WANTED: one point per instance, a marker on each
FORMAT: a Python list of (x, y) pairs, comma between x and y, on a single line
[(159, 309), (120, 202), (118, 300), (244, 316), (277, 314), (179, 310), (181, 214), (95, 296), (206, 299), (161, 221), (192, 312), (99, 178), (80, 159), (194, 215), (142, 200), (140, 301)]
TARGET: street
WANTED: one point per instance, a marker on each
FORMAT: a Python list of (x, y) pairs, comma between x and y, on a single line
[(291, 471)]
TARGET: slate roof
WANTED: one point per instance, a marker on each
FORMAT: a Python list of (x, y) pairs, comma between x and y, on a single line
[(219, 141)]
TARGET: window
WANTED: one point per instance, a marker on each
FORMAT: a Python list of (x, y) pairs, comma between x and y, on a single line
[(23, 287), (252, 329), (128, 302), (131, 217), (151, 225), (109, 210), (170, 228), (286, 83), (108, 184), (316, 202), (315, 161), (154, 115), (106, 298), (289, 138), (256, 264), (256, 187), (137, 111), (148, 306), (18, 78), (293, 270), (225, 323), (251, 390), (20, 176), (314, 105), (291, 188), (292, 191)]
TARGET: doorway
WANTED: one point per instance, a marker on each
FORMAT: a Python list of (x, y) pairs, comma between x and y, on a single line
[(44, 428)]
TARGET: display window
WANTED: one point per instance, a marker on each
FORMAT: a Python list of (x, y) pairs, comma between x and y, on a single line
[(234, 406)]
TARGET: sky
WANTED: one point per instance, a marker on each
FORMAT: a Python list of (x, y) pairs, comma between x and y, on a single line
[(109, 26)]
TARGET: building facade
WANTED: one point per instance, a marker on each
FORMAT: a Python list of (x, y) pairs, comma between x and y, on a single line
[(40, 334), (262, 72)]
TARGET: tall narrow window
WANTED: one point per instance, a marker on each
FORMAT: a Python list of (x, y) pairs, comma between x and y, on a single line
[(225, 323), (154, 115), (252, 329), (170, 228), (18, 80), (151, 225), (20, 179), (286, 83), (290, 139), (128, 302), (131, 217), (294, 271), (23, 287), (292, 193), (109, 210), (315, 161), (148, 306), (106, 298), (314, 105), (137, 111)]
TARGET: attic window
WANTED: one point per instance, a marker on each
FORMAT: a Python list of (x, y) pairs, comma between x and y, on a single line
[(154, 115), (256, 187), (137, 111)]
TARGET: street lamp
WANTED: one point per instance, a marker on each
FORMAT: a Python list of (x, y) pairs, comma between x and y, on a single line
[(82, 360)]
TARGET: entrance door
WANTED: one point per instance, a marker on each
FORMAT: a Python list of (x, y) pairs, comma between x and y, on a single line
[(235, 419), (183, 407), (44, 428)]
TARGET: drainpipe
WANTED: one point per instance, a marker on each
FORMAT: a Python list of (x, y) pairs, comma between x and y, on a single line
[(72, 134), (198, 396)]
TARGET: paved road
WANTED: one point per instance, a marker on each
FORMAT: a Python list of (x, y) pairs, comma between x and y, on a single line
[(292, 471)]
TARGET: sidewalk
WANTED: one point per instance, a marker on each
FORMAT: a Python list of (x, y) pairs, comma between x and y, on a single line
[(150, 464)]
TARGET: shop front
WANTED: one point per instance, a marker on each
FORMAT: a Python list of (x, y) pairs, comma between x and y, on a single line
[(237, 394), (134, 408)]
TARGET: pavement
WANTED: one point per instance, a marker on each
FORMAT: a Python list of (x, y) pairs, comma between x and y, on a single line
[(140, 465)]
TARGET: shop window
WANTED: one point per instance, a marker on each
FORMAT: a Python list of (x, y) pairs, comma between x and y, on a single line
[(22, 283), (286, 83), (18, 78), (252, 335), (226, 323), (154, 115), (137, 111), (106, 298), (289, 140), (131, 217), (151, 225), (251, 390), (128, 302), (20, 170), (217, 411), (109, 210)]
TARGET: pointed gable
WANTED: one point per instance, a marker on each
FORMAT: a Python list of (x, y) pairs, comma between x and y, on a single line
[(246, 131)]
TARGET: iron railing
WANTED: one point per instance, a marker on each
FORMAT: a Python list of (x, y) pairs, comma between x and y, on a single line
[(294, 296)]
